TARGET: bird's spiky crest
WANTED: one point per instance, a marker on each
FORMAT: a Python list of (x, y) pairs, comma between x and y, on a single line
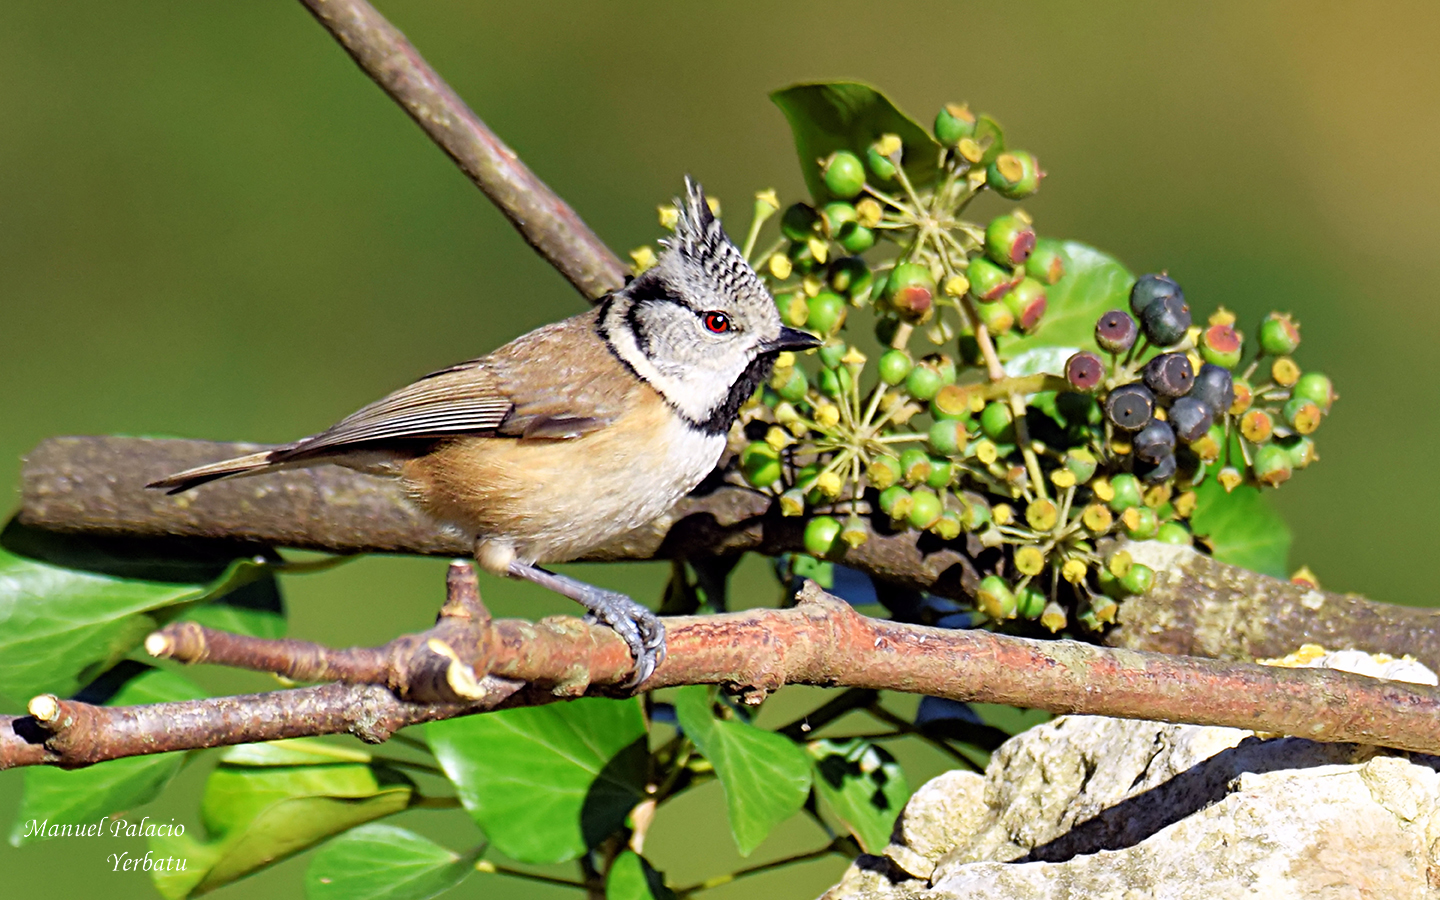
[(700, 239)]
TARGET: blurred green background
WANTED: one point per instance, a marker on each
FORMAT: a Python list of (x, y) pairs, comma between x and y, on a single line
[(213, 225)]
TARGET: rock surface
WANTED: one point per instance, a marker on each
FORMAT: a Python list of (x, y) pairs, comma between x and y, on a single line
[(1090, 807)]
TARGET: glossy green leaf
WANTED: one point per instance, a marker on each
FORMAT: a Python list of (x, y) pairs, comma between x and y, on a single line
[(72, 605), (1093, 284), (547, 783), (632, 878), (765, 775), (383, 862), (1242, 528), (863, 784), (85, 796), (258, 810), (847, 115)]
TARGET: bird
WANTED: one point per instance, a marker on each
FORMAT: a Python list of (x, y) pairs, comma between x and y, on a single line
[(578, 431)]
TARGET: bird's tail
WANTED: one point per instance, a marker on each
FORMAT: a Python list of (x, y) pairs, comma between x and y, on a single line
[(249, 464)]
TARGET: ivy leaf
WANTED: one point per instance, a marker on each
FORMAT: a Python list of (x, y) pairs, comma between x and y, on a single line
[(826, 116), (72, 606), (632, 878), (266, 802), (1242, 528), (85, 795), (547, 783), (384, 862), (765, 775), (1094, 283), (863, 784)]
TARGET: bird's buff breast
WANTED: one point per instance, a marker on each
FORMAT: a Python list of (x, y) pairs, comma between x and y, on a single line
[(553, 500)]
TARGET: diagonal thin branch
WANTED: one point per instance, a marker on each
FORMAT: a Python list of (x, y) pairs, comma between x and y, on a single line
[(822, 641), (547, 223)]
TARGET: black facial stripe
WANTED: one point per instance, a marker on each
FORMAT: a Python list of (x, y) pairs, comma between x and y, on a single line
[(651, 288), (724, 413)]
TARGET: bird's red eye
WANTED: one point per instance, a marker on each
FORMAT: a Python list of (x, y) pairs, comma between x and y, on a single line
[(717, 322)]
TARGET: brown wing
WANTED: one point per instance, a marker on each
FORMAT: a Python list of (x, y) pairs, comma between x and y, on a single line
[(541, 385)]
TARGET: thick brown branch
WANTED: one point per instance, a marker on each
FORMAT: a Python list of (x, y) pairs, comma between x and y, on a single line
[(546, 221), (1201, 607), (822, 641)]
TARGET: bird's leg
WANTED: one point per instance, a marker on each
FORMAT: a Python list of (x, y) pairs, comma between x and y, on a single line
[(637, 626)]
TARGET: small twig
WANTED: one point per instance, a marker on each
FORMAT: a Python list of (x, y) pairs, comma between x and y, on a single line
[(838, 845), (545, 221)]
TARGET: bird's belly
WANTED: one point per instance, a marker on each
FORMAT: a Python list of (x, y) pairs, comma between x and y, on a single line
[(553, 500)]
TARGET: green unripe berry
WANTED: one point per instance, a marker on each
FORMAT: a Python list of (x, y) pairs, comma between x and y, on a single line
[(1140, 523), (794, 387), (880, 165), (914, 466), (831, 354), (827, 312), (995, 598), (947, 527), (942, 472), (977, 513), (834, 215), (1317, 388), (943, 365), (954, 122), (760, 464), (997, 422), (802, 258), (1027, 302), (996, 317), (1174, 533), (989, 282), (924, 381), (844, 174), (821, 534), (1109, 584), (1272, 465), (1222, 345), (1029, 602), (1127, 492), (793, 309), (799, 222), (1303, 415), (856, 238), (1014, 175), (951, 402), (948, 436), (1009, 240), (1279, 334), (925, 508), (1082, 463), (854, 533), (1047, 262), (850, 275), (894, 366), (896, 502), (835, 383), (1301, 451), (884, 470), (1138, 580), (910, 291)]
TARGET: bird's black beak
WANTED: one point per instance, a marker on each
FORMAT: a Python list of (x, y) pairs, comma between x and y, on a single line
[(792, 339)]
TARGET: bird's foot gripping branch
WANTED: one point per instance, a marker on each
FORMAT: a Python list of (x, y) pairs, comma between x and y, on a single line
[(1039, 443)]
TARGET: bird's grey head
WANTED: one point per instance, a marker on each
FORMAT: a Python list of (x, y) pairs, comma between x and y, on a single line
[(699, 325)]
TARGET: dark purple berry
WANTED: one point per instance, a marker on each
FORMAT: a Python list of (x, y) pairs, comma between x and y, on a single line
[(1169, 375), (1115, 331), (1154, 442), (1084, 371), (1191, 417), (1130, 406), (1156, 471), (1215, 387), (1149, 288), (1166, 319)]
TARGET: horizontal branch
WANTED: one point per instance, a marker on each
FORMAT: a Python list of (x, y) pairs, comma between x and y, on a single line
[(1200, 607), (822, 641), (547, 223)]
